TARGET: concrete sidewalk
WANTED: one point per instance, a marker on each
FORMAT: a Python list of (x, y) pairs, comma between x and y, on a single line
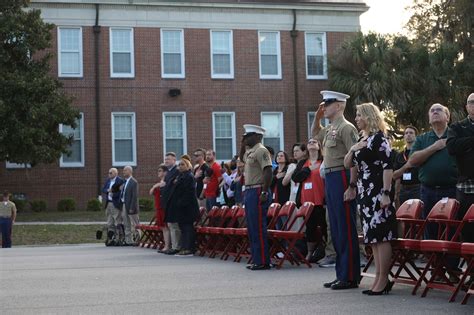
[(93, 279), (61, 223)]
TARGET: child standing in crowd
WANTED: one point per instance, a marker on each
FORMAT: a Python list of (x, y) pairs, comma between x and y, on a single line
[(159, 211)]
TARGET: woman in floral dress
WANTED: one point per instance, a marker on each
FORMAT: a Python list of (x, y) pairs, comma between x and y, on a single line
[(371, 158)]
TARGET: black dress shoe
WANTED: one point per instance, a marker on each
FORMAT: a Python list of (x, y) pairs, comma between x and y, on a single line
[(329, 284), (343, 285), (259, 267)]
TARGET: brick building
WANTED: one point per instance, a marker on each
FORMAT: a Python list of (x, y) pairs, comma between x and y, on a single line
[(151, 76)]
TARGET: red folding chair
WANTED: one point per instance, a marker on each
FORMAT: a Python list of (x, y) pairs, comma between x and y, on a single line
[(446, 245), (285, 241), (409, 210), (230, 233), (272, 219), (467, 253), (213, 218), (211, 234), (221, 238)]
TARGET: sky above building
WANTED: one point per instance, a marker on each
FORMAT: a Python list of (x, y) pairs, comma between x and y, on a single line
[(385, 16)]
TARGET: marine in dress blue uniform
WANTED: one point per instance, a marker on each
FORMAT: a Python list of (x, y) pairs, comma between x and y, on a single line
[(337, 139), (258, 176)]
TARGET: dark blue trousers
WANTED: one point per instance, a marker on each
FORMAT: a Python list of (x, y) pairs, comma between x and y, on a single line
[(256, 213), (342, 219), (6, 230)]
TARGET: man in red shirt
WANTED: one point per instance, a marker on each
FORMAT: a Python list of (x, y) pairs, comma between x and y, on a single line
[(212, 180)]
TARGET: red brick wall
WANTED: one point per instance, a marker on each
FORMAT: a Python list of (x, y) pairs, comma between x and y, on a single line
[(147, 96)]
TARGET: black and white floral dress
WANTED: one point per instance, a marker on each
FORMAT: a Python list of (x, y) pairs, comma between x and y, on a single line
[(378, 225)]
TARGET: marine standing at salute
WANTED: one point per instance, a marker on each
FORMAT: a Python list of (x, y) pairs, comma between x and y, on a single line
[(337, 140), (258, 177)]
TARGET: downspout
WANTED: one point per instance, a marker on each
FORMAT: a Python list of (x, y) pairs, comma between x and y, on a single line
[(294, 35), (96, 29)]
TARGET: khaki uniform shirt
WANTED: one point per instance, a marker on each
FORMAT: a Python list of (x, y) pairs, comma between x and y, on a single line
[(256, 159), (7, 208), (337, 139)]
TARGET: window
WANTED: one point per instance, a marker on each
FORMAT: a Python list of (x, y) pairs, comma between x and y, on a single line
[(122, 63), (174, 133), (76, 158), (222, 55), (273, 123), (316, 63), (270, 56), (324, 122), (224, 135), (172, 54), (124, 150), (69, 52)]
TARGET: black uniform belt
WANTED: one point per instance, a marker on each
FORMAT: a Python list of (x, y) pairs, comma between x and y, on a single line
[(333, 169)]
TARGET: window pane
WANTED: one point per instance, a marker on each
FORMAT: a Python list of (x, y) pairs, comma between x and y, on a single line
[(121, 63), (269, 65), (70, 62), (121, 40), (171, 41), (123, 151), (69, 39), (172, 63), (76, 154), (221, 64), (223, 126), (315, 65), (123, 127), (221, 42), (268, 43), (175, 145), (314, 44), (224, 149), (174, 126), (273, 143), (271, 122)]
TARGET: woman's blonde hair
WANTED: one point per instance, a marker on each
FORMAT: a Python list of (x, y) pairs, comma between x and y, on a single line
[(187, 161), (373, 117)]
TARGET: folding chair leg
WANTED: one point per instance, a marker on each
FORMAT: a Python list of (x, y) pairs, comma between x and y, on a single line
[(469, 267), (423, 274)]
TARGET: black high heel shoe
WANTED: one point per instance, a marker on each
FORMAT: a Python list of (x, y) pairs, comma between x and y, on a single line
[(366, 291), (386, 290)]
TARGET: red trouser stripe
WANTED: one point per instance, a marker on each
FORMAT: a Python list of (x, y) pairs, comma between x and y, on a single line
[(349, 230), (260, 231)]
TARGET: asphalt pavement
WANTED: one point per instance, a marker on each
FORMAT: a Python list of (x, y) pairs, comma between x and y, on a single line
[(93, 279)]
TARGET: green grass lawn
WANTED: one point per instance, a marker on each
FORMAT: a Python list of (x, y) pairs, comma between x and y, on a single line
[(54, 234), (73, 216)]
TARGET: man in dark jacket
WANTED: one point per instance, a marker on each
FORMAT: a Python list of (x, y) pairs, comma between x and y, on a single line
[(175, 233), (460, 144), (111, 192)]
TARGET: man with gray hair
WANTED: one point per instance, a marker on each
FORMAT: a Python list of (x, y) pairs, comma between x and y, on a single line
[(111, 191), (437, 169), (130, 208)]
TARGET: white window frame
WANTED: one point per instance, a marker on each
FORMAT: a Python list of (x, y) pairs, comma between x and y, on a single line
[(81, 61), (231, 56), (10, 165), (134, 139), (270, 76), (182, 75), (324, 122), (234, 147), (324, 76), (282, 135), (75, 164), (185, 133), (132, 54)]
